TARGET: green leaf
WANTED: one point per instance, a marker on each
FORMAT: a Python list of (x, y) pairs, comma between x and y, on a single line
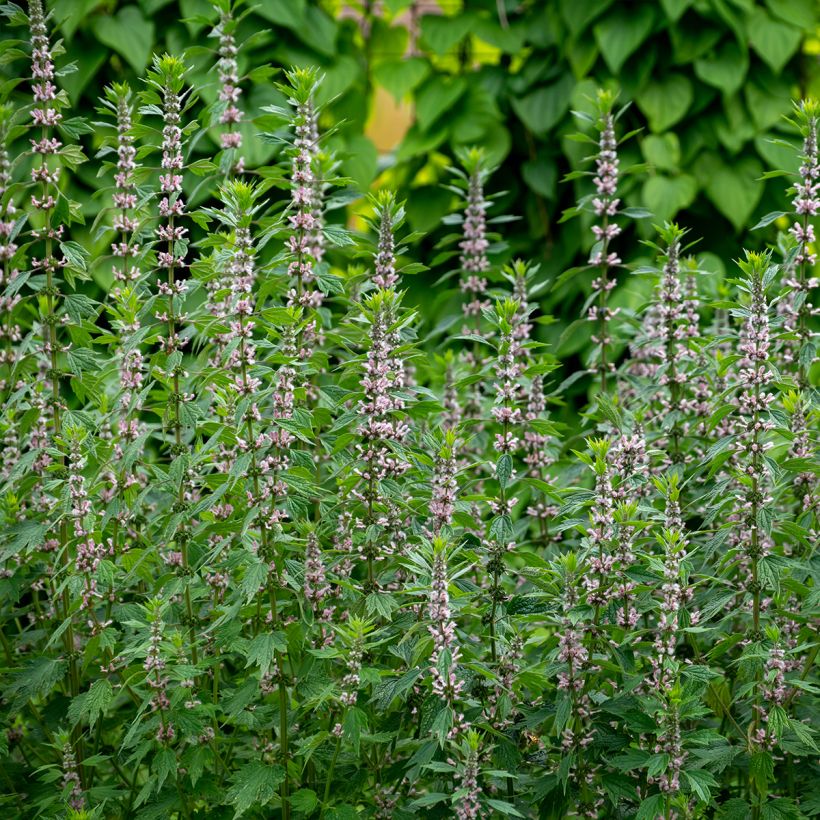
[(665, 196), (621, 32), (90, 705), (442, 32), (255, 784), (662, 151), (36, 680), (725, 69), (769, 218), (262, 649), (304, 801), (761, 770), (775, 41), (436, 98), (733, 188), (400, 77), (674, 9), (543, 108), (287, 13), (503, 469), (665, 101), (129, 34), (701, 782), (651, 808), (800, 13)]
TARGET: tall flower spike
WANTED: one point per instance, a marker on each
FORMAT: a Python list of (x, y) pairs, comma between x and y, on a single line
[(228, 70), (445, 484), (10, 333), (46, 116), (302, 219), (474, 244), (605, 206), (797, 307), (167, 81), (753, 423), (446, 653), (389, 214), (381, 412)]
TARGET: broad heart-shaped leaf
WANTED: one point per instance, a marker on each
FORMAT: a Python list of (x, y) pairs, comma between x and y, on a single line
[(725, 69), (675, 8), (665, 196), (442, 32), (665, 101), (400, 77), (288, 13), (772, 39), (801, 13), (543, 108), (662, 151), (437, 96), (129, 34), (255, 784), (733, 188), (621, 32), (578, 16)]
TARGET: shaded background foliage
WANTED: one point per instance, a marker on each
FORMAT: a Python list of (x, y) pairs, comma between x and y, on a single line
[(412, 81)]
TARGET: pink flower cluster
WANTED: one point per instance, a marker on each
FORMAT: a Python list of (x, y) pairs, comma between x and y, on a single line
[(229, 90)]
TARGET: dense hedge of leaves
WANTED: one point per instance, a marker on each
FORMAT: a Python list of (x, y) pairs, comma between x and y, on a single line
[(284, 539)]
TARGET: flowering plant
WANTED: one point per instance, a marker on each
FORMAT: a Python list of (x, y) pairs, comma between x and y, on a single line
[(276, 545)]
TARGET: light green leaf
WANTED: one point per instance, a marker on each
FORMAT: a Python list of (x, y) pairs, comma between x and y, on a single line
[(775, 41), (663, 152), (442, 32), (543, 108), (256, 784), (401, 76), (665, 196), (437, 97), (129, 34), (800, 13), (91, 704), (621, 32), (725, 69), (665, 101), (734, 188)]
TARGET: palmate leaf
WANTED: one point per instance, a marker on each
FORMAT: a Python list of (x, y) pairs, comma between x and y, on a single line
[(256, 784), (36, 680)]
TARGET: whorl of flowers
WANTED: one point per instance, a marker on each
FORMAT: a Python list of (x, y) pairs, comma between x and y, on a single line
[(228, 71), (71, 779), (671, 342), (315, 584), (382, 420), (157, 681), (468, 805), (509, 368), (381, 401), (389, 214), (474, 244), (446, 653), (797, 307), (10, 333), (302, 218), (674, 591), (352, 678), (445, 485), (754, 378), (46, 115), (600, 533), (605, 206), (805, 483)]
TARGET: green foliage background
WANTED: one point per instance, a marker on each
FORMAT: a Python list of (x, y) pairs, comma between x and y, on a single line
[(710, 81)]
